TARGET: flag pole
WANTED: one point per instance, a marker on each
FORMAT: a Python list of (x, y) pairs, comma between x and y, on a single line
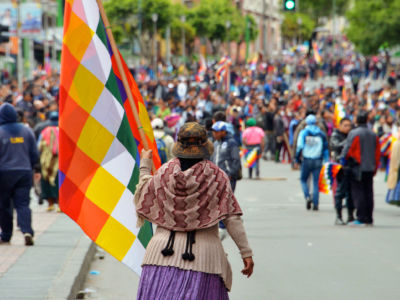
[(122, 72)]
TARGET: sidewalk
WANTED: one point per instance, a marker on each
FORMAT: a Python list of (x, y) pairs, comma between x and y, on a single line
[(53, 267), (41, 220)]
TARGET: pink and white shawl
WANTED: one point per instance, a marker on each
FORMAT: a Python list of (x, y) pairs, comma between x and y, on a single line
[(186, 200)]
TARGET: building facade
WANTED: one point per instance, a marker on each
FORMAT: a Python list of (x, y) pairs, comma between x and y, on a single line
[(269, 20)]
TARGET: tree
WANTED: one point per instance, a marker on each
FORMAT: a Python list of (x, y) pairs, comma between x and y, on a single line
[(124, 16), (119, 13), (176, 25), (210, 17), (323, 8), (291, 29), (373, 23)]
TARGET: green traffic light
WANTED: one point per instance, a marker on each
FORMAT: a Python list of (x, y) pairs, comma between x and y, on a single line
[(290, 4)]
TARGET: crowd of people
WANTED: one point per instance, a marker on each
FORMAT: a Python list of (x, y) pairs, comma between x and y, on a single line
[(260, 110), (271, 113)]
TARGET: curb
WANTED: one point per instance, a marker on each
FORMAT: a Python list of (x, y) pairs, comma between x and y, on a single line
[(71, 277), (84, 270)]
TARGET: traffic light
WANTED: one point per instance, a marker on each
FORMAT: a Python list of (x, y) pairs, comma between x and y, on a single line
[(289, 5), (4, 34)]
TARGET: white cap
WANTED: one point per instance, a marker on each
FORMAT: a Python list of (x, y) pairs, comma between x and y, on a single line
[(157, 124)]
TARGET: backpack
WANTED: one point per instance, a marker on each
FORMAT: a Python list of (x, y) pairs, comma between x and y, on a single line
[(162, 150)]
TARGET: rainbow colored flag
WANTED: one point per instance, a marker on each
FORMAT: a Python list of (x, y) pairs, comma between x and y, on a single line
[(99, 140), (251, 158), (222, 68), (339, 112), (317, 55), (386, 142), (202, 69), (344, 94), (253, 63), (327, 175)]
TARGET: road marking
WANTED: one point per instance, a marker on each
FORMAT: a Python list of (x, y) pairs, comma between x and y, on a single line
[(268, 179)]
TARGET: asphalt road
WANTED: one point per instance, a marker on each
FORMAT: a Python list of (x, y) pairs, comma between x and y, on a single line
[(299, 254)]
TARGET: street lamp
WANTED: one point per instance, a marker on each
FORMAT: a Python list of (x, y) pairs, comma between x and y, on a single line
[(299, 23), (228, 26), (154, 17), (183, 20)]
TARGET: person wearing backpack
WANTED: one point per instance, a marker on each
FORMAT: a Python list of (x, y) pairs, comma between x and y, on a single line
[(312, 146), (164, 141)]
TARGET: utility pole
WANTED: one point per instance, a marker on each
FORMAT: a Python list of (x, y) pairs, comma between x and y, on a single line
[(265, 33), (140, 27), (20, 67), (154, 17), (183, 20), (46, 34), (54, 51), (168, 41), (334, 24), (228, 26), (60, 13)]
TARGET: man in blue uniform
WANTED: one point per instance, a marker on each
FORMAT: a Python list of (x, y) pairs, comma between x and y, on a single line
[(18, 156)]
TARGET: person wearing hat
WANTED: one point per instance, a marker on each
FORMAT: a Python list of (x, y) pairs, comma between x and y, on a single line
[(312, 146), (226, 154), (188, 196), (253, 138), (164, 141)]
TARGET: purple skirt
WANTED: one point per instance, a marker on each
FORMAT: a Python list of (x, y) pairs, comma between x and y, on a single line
[(170, 283)]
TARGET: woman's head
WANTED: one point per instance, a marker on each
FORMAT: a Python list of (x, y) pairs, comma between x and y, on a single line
[(193, 142)]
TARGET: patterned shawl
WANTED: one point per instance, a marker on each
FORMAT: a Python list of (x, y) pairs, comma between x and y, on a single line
[(184, 201), (48, 148)]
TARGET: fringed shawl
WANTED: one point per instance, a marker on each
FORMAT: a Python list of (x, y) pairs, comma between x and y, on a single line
[(186, 200)]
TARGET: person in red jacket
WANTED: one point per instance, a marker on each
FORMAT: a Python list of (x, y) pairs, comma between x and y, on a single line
[(362, 154)]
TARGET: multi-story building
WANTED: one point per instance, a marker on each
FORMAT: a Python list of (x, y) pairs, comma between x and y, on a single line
[(269, 20)]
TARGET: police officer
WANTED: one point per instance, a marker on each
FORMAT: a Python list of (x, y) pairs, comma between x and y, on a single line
[(18, 156)]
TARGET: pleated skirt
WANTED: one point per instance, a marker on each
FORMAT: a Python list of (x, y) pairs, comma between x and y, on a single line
[(170, 283)]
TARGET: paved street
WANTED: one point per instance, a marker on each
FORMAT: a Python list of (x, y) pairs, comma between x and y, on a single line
[(298, 254), (331, 81)]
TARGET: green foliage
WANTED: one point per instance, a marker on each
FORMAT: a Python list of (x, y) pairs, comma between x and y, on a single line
[(124, 14), (373, 23), (119, 14), (323, 8), (162, 8), (176, 26), (208, 19), (291, 28)]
